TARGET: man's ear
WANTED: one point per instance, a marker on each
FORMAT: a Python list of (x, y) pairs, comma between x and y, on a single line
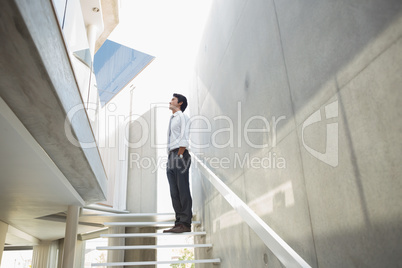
[(180, 103)]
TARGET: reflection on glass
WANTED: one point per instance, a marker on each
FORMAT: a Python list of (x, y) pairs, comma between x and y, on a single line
[(84, 56)]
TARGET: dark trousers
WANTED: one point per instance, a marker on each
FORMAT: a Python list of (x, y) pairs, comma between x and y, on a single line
[(177, 171)]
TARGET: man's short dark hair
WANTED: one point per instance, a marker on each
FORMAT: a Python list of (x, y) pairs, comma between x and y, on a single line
[(181, 98)]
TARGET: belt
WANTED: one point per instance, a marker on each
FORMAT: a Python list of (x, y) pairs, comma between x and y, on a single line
[(176, 150)]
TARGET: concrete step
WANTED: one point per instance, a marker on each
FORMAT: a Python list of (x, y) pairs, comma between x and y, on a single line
[(155, 262), (150, 234), (154, 246), (96, 208), (127, 215), (139, 223)]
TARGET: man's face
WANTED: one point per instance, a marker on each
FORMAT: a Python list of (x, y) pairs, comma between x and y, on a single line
[(173, 104)]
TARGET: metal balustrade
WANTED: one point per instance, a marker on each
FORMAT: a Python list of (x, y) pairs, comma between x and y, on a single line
[(285, 254)]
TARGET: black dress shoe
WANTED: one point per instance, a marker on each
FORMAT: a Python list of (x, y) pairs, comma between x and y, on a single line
[(169, 230), (181, 229)]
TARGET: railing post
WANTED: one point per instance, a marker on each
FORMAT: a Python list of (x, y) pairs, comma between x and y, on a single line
[(70, 239)]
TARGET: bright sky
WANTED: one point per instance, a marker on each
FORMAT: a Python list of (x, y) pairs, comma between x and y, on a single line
[(170, 31)]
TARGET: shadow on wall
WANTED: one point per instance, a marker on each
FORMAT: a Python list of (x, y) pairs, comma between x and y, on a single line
[(316, 40), (283, 58)]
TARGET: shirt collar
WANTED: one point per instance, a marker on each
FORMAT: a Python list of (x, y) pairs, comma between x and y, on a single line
[(177, 113)]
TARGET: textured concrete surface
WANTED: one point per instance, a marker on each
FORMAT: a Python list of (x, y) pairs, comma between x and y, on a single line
[(281, 58), (142, 254), (110, 12), (37, 83), (116, 255)]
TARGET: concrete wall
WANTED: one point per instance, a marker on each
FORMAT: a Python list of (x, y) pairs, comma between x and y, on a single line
[(140, 254), (38, 85), (142, 176), (141, 184), (329, 186), (114, 120)]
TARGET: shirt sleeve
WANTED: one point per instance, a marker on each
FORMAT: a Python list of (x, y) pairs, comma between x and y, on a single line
[(184, 137)]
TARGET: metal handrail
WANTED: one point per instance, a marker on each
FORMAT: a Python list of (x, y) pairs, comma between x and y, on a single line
[(285, 254)]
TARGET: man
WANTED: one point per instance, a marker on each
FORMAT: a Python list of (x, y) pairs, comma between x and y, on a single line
[(178, 165)]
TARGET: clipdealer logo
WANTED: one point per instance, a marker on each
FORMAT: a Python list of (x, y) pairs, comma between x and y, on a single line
[(330, 156)]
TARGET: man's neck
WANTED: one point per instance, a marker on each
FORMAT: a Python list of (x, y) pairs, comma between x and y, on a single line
[(175, 111)]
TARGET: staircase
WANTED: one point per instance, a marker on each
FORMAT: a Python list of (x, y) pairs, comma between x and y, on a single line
[(159, 221)]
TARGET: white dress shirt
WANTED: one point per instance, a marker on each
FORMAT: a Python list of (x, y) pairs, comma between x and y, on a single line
[(178, 132)]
